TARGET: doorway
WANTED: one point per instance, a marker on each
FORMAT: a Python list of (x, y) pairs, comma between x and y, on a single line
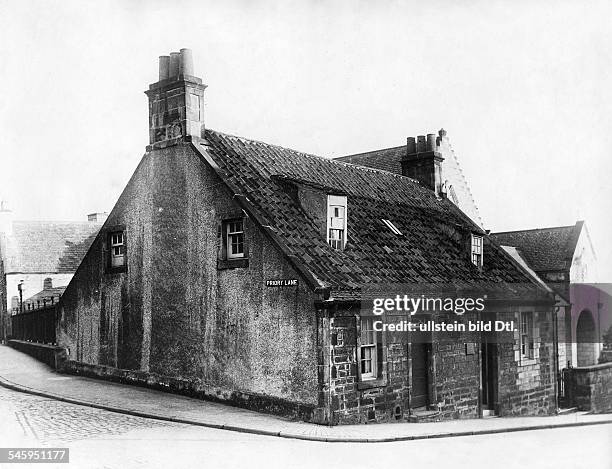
[(489, 377), (420, 365), (585, 339)]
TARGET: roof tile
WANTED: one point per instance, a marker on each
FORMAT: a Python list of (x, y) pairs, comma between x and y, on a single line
[(433, 247)]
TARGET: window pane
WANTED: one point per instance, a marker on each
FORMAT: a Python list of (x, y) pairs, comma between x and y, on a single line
[(366, 359)]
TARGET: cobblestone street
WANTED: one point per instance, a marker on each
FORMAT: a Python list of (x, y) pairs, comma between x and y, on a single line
[(102, 439), (53, 422)]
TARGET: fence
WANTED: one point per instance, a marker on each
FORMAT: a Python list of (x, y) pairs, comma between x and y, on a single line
[(37, 325)]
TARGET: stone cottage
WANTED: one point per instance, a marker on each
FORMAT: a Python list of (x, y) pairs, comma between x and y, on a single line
[(235, 270)]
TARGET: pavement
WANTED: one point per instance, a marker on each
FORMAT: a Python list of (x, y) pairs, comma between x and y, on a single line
[(23, 373)]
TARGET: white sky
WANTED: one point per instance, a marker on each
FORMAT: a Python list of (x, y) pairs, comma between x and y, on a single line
[(522, 87)]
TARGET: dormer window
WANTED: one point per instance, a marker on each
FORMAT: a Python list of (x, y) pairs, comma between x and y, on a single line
[(336, 221), (477, 250)]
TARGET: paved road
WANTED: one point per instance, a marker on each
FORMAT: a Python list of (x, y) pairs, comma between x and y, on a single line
[(102, 439)]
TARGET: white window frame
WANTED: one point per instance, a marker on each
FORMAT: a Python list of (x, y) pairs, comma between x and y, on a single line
[(476, 250), (526, 335), (389, 224), (117, 249), (337, 215), (234, 231), (368, 349)]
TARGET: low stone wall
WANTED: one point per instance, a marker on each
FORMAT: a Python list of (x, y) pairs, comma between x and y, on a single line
[(605, 356), (52, 355), (590, 387), (192, 388)]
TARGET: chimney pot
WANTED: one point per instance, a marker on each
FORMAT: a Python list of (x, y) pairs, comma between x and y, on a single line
[(411, 145), (421, 143), (164, 67), (175, 58), (431, 142), (186, 62)]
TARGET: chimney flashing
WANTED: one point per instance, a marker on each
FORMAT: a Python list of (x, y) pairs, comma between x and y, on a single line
[(172, 80)]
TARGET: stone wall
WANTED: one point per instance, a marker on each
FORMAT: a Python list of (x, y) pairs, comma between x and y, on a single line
[(52, 355), (527, 386), (590, 388), (453, 375), (351, 401)]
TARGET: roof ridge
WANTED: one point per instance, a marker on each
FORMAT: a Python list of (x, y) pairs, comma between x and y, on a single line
[(83, 222), (532, 229), (369, 152), (312, 155)]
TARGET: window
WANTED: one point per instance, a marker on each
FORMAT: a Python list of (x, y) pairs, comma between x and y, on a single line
[(117, 249), (527, 345), (368, 353), (336, 221), (392, 227), (477, 250), (234, 241)]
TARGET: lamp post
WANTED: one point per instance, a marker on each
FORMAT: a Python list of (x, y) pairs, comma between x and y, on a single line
[(20, 288)]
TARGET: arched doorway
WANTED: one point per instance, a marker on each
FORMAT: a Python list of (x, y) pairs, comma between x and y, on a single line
[(586, 339)]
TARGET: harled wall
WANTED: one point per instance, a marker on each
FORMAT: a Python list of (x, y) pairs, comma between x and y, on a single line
[(174, 312)]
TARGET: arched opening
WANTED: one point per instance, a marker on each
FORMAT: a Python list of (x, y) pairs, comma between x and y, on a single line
[(586, 339)]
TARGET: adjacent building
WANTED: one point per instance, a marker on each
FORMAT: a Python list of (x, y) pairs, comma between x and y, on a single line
[(37, 255), (235, 270), (565, 259)]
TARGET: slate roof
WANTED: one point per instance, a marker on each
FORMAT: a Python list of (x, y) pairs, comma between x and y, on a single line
[(388, 159), (544, 249), (48, 246), (433, 248)]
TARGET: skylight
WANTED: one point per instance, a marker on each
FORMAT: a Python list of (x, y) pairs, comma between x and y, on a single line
[(392, 227)]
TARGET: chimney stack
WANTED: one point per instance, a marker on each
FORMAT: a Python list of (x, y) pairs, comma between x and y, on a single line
[(176, 102), (97, 217), (423, 162)]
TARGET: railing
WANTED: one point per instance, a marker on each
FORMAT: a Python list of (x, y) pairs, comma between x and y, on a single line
[(36, 325)]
